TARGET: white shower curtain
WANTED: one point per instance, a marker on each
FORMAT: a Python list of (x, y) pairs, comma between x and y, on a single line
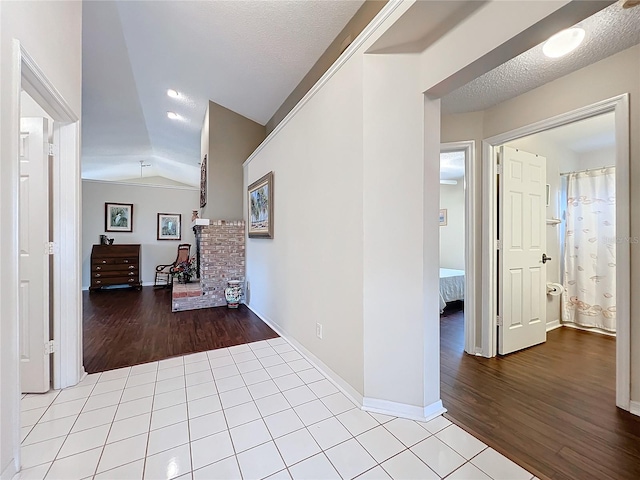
[(590, 250)]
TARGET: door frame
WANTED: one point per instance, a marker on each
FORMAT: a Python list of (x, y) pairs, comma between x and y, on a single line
[(67, 359), (619, 105), (471, 239), (67, 366)]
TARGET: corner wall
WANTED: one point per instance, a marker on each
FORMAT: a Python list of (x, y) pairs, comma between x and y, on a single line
[(147, 201), (228, 139)]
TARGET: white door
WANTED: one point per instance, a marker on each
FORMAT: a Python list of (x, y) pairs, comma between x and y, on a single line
[(34, 258), (522, 273)]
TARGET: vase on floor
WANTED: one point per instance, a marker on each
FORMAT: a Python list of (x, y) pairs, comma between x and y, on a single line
[(233, 293)]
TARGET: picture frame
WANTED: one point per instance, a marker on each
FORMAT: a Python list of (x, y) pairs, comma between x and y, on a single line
[(118, 217), (169, 226), (443, 217), (203, 182), (260, 207)]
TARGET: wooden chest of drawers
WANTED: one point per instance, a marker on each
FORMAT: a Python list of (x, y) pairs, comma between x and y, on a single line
[(115, 265)]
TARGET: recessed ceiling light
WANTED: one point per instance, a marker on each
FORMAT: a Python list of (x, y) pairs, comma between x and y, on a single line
[(563, 42), (173, 115), (173, 93)]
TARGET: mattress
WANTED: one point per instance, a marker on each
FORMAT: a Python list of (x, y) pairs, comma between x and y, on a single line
[(451, 286)]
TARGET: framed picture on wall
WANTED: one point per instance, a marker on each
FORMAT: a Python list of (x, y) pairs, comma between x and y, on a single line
[(260, 204), (443, 217), (118, 217), (169, 226), (203, 182)]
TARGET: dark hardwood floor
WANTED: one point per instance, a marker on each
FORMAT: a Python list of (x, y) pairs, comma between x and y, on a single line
[(550, 408), (126, 327)]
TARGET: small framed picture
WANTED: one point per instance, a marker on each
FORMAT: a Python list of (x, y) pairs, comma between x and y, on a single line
[(260, 203), (118, 217), (203, 182), (169, 226), (443, 217)]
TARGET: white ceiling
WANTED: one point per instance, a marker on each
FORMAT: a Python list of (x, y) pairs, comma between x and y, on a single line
[(609, 31), (591, 134), (451, 165), (245, 55)]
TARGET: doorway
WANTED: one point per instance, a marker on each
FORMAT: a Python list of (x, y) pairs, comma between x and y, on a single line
[(458, 236), (64, 212), (618, 108)]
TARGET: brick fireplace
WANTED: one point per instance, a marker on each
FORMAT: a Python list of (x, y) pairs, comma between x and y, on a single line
[(222, 258)]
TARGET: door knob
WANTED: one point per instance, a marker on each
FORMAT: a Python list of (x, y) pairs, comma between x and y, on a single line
[(545, 259)]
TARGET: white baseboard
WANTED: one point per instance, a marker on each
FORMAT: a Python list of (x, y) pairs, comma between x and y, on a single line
[(374, 405), (634, 407), (10, 471), (332, 376), (396, 409), (553, 325)]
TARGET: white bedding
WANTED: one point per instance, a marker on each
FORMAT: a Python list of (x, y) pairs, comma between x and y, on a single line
[(451, 286)]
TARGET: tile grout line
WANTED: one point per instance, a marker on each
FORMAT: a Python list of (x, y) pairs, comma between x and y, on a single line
[(95, 470), (262, 417), (153, 399), (70, 430)]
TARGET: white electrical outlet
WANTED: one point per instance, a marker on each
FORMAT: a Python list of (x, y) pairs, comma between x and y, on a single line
[(319, 330)]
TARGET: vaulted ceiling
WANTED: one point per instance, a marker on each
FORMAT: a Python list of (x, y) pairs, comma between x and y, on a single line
[(248, 56), (245, 55)]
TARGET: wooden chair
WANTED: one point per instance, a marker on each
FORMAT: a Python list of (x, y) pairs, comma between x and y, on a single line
[(164, 273)]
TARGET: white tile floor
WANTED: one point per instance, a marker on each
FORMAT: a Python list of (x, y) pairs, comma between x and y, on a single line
[(252, 411)]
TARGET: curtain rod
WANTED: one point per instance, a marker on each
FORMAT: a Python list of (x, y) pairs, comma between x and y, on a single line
[(564, 174)]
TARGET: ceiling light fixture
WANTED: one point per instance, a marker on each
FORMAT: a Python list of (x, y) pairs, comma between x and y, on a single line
[(142, 165), (173, 93), (173, 115), (563, 42)]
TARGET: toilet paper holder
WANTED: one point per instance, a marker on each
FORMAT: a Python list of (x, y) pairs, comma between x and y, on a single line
[(554, 289)]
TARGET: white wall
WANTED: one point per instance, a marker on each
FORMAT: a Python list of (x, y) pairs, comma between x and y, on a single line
[(147, 201), (452, 235), (602, 157), (602, 80), (311, 271), (361, 157), (51, 32)]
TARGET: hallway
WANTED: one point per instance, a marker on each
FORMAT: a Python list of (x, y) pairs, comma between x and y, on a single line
[(551, 407), (250, 411)]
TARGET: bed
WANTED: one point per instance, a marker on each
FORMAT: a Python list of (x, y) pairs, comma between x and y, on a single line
[(451, 286)]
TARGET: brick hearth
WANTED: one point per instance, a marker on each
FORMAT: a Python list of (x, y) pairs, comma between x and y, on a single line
[(222, 258)]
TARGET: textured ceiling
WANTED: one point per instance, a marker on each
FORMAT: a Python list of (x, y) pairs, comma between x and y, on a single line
[(609, 31), (245, 55)]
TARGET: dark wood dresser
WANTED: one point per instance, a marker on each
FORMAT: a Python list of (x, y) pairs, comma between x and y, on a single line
[(115, 265)]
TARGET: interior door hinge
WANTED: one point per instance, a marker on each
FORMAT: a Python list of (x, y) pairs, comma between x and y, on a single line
[(499, 320), (50, 248), (498, 169), (498, 244), (50, 347), (51, 153)]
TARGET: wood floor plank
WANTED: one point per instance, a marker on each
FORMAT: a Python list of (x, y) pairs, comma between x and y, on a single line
[(551, 408), (123, 327)]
